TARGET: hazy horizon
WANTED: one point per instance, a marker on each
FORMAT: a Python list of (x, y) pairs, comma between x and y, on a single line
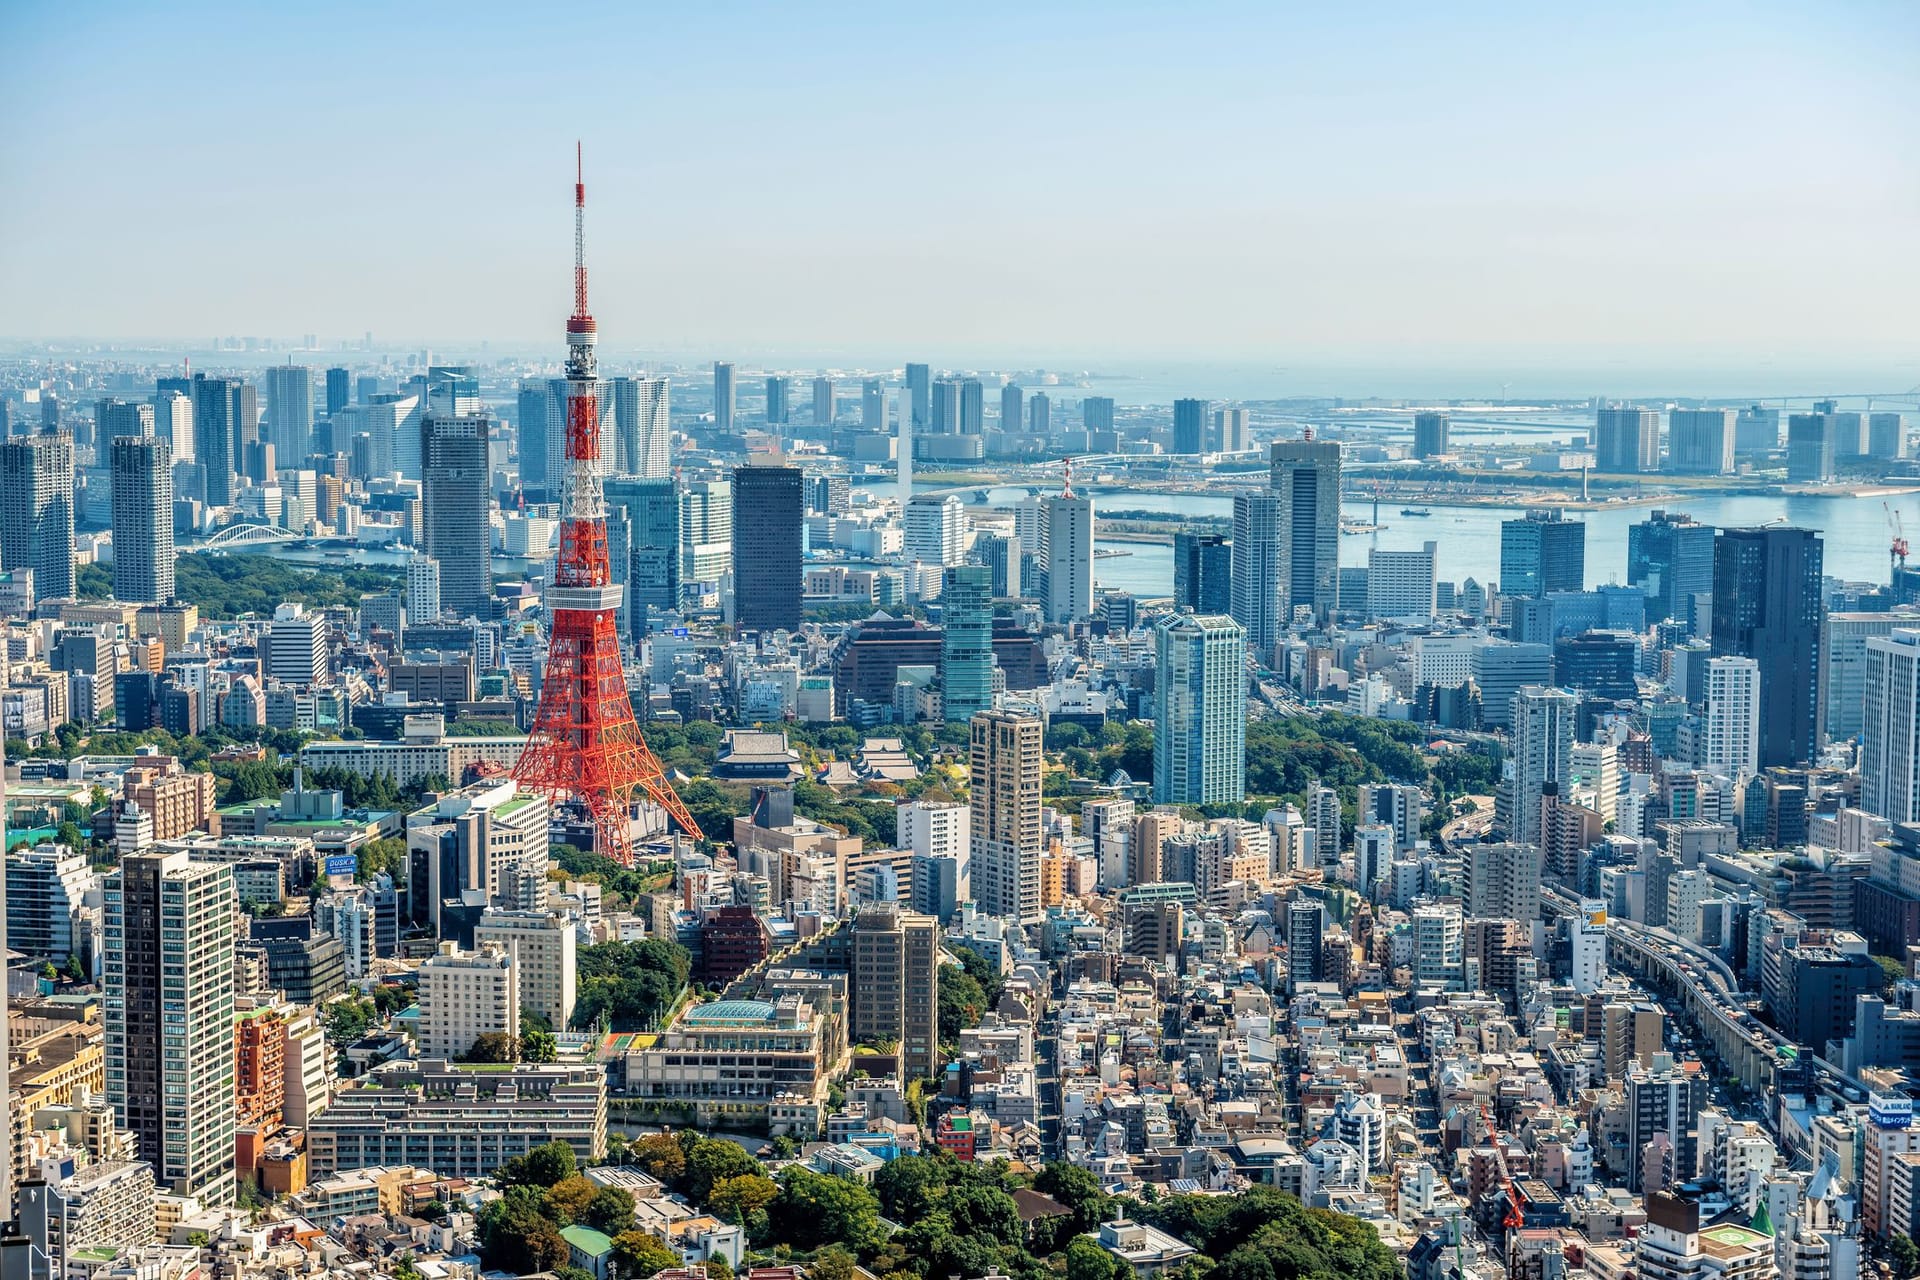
[(1491, 194)]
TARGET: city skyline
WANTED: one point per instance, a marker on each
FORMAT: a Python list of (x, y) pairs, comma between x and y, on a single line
[(1647, 235)]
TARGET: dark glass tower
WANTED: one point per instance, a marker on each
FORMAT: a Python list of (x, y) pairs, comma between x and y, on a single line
[(1766, 606), (768, 511)]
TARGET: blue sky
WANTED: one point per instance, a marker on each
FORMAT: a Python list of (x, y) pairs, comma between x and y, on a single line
[(1393, 183)]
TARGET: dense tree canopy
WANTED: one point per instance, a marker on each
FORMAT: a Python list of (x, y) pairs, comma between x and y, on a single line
[(631, 984)]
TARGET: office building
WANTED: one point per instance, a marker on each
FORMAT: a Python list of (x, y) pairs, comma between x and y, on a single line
[(706, 531), (768, 527), (823, 403), (1886, 436), (945, 408), (917, 382), (36, 511), (289, 418), (1767, 606), (1890, 740), (542, 948), (1232, 431), (873, 406), (723, 397), (655, 561), (463, 996), (142, 470), (1199, 710), (1670, 558), (737, 1060), (973, 407), (1756, 431), (531, 442), (339, 391), (1069, 535), (1700, 442), (1257, 591), (966, 644), (1811, 448), (1843, 666), (46, 889), (1001, 555), (1305, 476), (1626, 441), (423, 588), (102, 1207), (1040, 414), (456, 506), (297, 649), (935, 529), (1190, 426), (1729, 738), (1096, 413), (642, 436), (1013, 414), (1202, 573), (169, 983), (1401, 585), (778, 387), (173, 422), (1004, 806), (1542, 553), (894, 985), (459, 1121), (1430, 431), (224, 421), (1503, 882), (116, 418), (1543, 733)]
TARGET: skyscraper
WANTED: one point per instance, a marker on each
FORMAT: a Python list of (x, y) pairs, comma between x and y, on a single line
[(218, 410), (1430, 431), (532, 439), (1730, 718), (896, 967), (1258, 599), (1670, 557), (423, 588), (1886, 435), (1811, 448), (142, 470), (777, 387), (944, 407), (1306, 476), (1202, 573), (1190, 426), (1040, 414), (966, 646), (1199, 709), (1004, 801), (706, 531), (1542, 553), (935, 529), (1069, 557), (1096, 413), (1626, 440), (1766, 606), (36, 511), (653, 509), (1543, 724), (918, 381), (768, 515), (1700, 442), (169, 978), (456, 503), (290, 412), (1232, 430), (339, 391), (642, 437), (115, 418), (823, 402), (723, 397), (1503, 882), (1013, 414), (1890, 743), (1401, 585), (173, 421)]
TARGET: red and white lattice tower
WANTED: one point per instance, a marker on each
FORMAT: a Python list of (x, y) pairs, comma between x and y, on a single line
[(585, 748)]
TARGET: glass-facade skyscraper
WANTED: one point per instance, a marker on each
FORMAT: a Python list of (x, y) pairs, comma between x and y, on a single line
[(1766, 606), (966, 646), (768, 511)]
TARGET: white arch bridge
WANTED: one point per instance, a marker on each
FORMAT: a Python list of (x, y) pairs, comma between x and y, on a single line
[(249, 535)]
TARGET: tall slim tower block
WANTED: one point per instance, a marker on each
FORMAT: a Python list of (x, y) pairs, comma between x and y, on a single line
[(142, 470), (585, 748)]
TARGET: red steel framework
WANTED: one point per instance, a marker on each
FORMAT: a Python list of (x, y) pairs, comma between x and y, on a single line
[(585, 748)]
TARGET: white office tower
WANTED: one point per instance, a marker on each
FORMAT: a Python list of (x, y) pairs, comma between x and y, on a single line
[(173, 422), (1401, 584), (706, 531), (1004, 799), (1587, 947), (1890, 740), (1729, 742), (1596, 774), (423, 588), (1374, 845), (936, 530), (1069, 558), (1439, 942), (169, 1002), (541, 945), (1543, 720), (1503, 882), (938, 835), (1030, 526), (463, 996), (297, 646)]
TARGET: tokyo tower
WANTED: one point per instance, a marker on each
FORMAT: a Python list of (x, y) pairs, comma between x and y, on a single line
[(585, 750)]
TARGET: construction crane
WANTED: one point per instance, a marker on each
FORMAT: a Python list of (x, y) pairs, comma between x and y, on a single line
[(1897, 548), (1514, 1219)]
